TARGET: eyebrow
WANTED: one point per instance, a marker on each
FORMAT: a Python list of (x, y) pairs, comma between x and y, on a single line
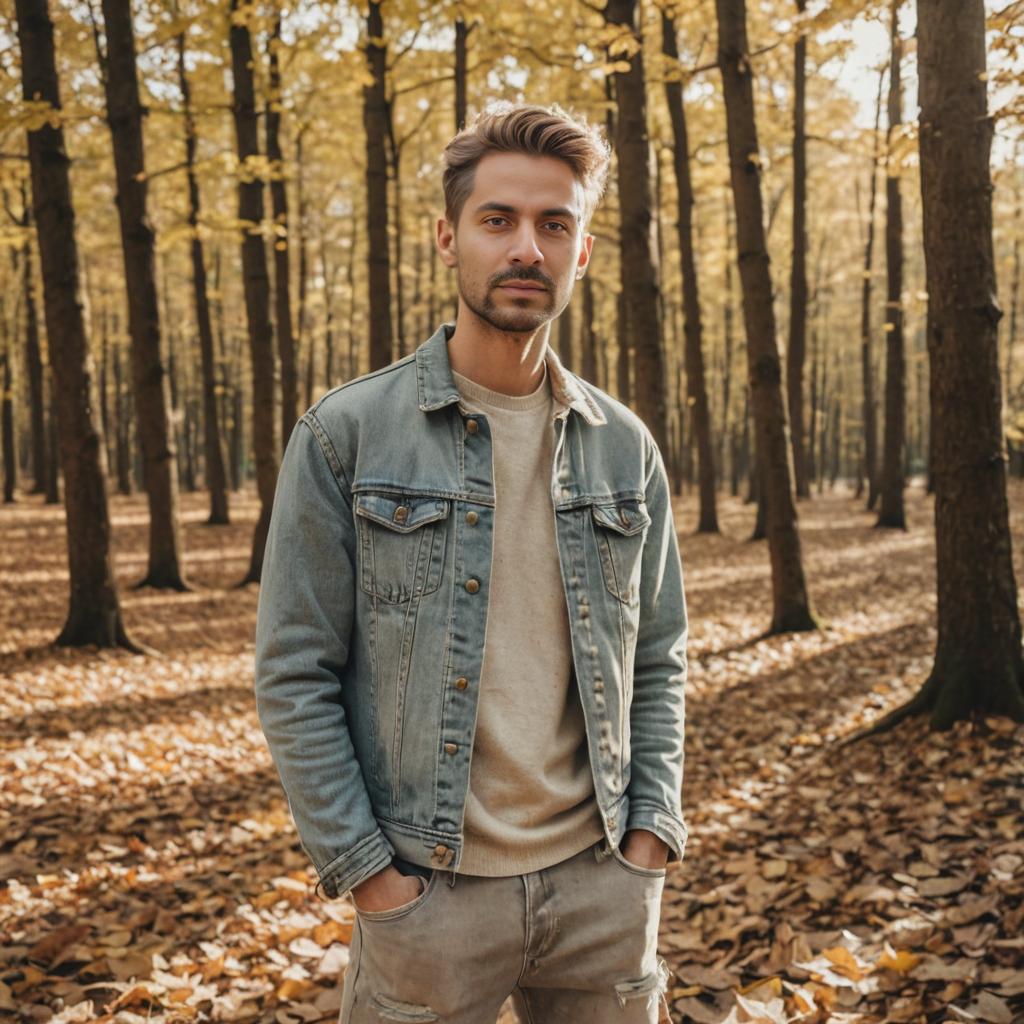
[(554, 211)]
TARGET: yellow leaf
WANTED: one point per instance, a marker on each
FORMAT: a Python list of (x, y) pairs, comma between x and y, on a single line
[(844, 962), (902, 961)]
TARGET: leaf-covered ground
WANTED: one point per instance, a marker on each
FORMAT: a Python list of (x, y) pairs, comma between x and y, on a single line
[(149, 870)]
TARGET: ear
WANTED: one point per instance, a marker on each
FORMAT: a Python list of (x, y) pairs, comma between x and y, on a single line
[(446, 242), (584, 258)]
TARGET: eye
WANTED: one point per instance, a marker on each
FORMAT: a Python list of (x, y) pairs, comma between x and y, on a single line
[(490, 220), (558, 225)]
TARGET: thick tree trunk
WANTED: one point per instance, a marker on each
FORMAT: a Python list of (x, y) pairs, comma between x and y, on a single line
[(638, 275), (94, 615), (152, 398), (282, 245), (798, 267), (870, 468), (696, 388), (891, 513), (256, 285), (213, 443), (791, 606), (979, 668), (375, 123)]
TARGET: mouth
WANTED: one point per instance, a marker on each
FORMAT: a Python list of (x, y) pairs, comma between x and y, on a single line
[(522, 287)]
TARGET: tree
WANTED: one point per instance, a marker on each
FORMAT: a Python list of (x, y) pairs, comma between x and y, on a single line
[(94, 613), (693, 330), (790, 603), (798, 266), (213, 445), (138, 245), (979, 665), (375, 123), (891, 490), (255, 280), (638, 276)]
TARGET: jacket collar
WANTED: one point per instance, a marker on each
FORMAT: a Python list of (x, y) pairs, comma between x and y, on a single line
[(436, 387)]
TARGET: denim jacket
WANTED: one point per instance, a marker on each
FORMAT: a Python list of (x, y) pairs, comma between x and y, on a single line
[(373, 605)]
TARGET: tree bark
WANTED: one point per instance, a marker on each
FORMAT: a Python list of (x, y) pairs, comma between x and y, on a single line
[(7, 416), (282, 244), (867, 365), (791, 606), (149, 374), (798, 268), (375, 123), (588, 337), (33, 360), (979, 668), (213, 442), (256, 284), (891, 512), (693, 330), (94, 614), (638, 275)]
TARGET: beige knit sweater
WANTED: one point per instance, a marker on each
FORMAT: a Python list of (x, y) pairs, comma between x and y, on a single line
[(531, 797)]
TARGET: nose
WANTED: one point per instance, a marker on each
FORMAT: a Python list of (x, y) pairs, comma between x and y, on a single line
[(524, 247)]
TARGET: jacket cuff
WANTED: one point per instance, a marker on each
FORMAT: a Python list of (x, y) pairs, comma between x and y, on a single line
[(669, 829), (341, 875)]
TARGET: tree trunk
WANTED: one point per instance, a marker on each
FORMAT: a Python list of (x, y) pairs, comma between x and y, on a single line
[(375, 123), (282, 242), (33, 361), (565, 329), (791, 606), (213, 443), (306, 339), (798, 268), (696, 389), (94, 615), (891, 512), (978, 666), (7, 416), (256, 285), (638, 275), (588, 338), (152, 399), (867, 367), (461, 39)]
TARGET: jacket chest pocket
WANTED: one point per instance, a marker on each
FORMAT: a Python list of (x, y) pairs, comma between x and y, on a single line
[(401, 545), (621, 529)]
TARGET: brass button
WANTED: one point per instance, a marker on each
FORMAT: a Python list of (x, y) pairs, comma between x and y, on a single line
[(584, 611), (440, 851), (472, 426), (461, 683), (472, 586), (401, 513), (451, 748), (471, 518)]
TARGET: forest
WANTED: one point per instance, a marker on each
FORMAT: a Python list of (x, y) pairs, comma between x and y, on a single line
[(806, 281)]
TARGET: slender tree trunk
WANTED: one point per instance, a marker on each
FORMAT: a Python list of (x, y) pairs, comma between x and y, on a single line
[(33, 361), (7, 416), (697, 393), (152, 407), (791, 606), (213, 443), (565, 329), (94, 615), (867, 365), (53, 439), (375, 123), (306, 339), (798, 269), (638, 275), (727, 348), (256, 284), (461, 39), (282, 244), (588, 355), (891, 512)]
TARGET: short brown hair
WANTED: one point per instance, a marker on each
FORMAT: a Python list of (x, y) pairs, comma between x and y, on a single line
[(541, 131)]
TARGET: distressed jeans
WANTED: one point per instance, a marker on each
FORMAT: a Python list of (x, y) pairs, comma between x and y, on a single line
[(572, 943)]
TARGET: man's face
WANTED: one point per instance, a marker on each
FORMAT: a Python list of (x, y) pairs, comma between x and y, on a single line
[(519, 244)]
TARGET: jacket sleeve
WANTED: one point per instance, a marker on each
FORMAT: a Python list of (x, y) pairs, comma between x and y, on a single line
[(657, 712), (303, 628)]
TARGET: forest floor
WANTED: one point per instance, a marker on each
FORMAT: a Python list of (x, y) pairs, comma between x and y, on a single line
[(149, 869)]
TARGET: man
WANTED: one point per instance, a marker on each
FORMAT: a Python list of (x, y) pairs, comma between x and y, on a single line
[(470, 649)]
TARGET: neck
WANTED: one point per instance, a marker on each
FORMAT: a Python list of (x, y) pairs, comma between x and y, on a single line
[(510, 363)]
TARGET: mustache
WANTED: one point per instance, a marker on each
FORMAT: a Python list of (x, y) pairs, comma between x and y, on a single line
[(523, 274)]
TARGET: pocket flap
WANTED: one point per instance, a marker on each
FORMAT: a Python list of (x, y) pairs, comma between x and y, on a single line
[(626, 517), (402, 514)]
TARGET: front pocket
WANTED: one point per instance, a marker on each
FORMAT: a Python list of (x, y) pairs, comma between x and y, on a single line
[(621, 529), (401, 544), (635, 869), (400, 913)]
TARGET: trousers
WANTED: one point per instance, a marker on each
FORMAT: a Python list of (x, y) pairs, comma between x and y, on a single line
[(575, 942)]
